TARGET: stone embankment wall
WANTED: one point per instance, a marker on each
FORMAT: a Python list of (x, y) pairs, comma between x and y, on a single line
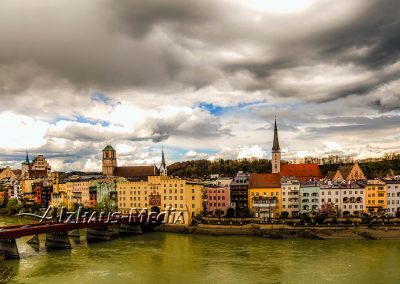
[(282, 231)]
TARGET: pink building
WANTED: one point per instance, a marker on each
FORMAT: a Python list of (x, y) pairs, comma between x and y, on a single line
[(217, 198)]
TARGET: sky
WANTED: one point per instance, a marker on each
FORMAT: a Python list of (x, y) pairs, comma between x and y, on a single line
[(201, 79)]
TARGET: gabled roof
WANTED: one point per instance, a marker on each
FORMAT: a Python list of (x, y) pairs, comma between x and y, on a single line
[(331, 175), (136, 171), (345, 170), (264, 181), (302, 172)]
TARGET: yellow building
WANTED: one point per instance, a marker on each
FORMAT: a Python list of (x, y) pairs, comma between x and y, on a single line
[(78, 193), (264, 196), (160, 192), (59, 196), (7, 173), (27, 185), (375, 196)]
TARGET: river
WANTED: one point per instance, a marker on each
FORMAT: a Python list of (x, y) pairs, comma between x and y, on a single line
[(174, 258)]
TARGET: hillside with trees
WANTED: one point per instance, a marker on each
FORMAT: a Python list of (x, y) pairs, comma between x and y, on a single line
[(372, 168), (203, 168)]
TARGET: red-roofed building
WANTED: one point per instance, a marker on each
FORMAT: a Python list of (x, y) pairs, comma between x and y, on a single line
[(303, 172)]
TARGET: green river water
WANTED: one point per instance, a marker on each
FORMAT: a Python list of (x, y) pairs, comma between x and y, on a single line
[(175, 258)]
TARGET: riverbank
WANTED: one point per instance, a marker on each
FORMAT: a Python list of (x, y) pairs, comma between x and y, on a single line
[(274, 231)]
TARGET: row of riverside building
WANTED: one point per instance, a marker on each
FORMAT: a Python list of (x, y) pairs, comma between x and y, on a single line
[(289, 191)]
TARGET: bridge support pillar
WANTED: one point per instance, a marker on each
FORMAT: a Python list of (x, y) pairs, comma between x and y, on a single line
[(75, 235), (34, 240), (9, 249), (58, 240), (131, 229), (98, 234)]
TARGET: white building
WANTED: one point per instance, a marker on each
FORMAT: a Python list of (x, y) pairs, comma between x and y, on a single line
[(290, 196), (309, 197), (353, 199), (330, 196), (392, 197)]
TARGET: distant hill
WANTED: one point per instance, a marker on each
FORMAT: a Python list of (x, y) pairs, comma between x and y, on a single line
[(202, 168)]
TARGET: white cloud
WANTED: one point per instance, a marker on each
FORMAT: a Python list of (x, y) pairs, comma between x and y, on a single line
[(20, 132), (194, 155), (254, 151)]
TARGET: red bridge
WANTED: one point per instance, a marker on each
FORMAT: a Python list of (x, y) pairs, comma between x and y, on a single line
[(58, 233)]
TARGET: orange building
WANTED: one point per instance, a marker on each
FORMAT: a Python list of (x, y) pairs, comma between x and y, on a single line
[(375, 196)]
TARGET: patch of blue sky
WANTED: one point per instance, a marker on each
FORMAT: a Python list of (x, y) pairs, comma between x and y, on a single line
[(81, 119), (177, 153), (217, 110), (102, 98)]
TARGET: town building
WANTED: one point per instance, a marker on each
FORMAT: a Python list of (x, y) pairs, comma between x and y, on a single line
[(110, 168), (290, 197), (352, 198), (217, 199), (7, 173), (375, 195), (301, 172), (349, 172), (159, 193), (41, 192), (105, 189), (392, 197), (264, 197), (239, 191), (39, 168), (309, 196), (219, 181), (330, 197)]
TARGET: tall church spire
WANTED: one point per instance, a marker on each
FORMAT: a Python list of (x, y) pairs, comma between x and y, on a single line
[(27, 157), (163, 166), (275, 146), (276, 152)]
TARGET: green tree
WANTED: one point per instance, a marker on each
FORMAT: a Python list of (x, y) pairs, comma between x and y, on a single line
[(13, 206)]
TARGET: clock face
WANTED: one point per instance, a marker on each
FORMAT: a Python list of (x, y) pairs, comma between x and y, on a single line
[(155, 200)]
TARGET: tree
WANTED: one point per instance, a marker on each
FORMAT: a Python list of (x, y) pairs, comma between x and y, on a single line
[(105, 205), (219, 212), (13, 206), (230, 213), (284, 214)]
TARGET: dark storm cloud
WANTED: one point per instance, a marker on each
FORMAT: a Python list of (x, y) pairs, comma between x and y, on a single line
[(117, 45), (332, 62)]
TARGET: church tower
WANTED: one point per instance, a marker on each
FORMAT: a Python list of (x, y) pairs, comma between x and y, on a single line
[(163, 166), (276, 153), (25, 167), (109, 160)]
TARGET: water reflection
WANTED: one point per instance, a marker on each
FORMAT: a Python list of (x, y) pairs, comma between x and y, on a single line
[(173, 258)]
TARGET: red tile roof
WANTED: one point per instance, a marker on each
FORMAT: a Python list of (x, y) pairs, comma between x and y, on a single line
[(136, 171), (264, 180), (302, 172)]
